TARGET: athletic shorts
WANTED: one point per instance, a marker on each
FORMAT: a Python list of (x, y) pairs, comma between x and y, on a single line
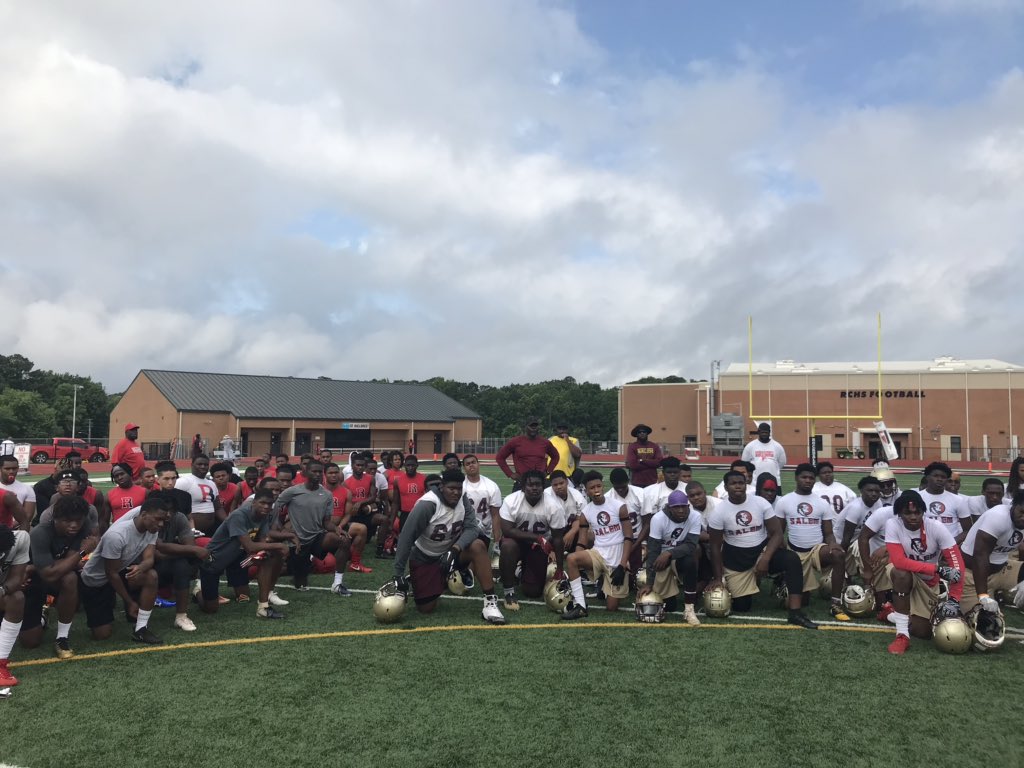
[(315, 547), (602, 569), (535, 565), (810, 561), (1002, 580), (882, 582), (666, 583), (922, 597), (427, 581), (99, 602), (35, 599), (209, 581)]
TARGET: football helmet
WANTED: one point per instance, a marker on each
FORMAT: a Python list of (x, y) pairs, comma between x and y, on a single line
[(717, 602), (641, 578), (825, 583), (858, 601), (650, 609), (988, 630), (952, 635), (557, 595), (455, 583), (389, 603)]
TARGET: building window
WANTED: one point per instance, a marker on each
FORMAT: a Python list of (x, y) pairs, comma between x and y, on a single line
[(954, 444), (839, 435), (690, 440)]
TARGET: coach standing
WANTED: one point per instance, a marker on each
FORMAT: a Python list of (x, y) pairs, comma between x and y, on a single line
[(127, 451), (528, 451), (643, 457)]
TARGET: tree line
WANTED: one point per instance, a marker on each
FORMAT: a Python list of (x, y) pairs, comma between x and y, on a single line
[(36, 403)]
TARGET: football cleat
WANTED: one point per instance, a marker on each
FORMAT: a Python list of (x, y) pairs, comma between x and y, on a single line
[(900, 645), (144, 635), (884, 614), (858, 600), (269, 613), (952, 635), (389, 603), (491, 613), (800, 619), (650, 609), (557, 595), (455, 583), (7, 680), (717, 602), (988, 629), (690, 616), (183, 622), (838, 613), (276, 600), (359, 568), (341, 590), (574, 611), (511, 604), (62, 648)]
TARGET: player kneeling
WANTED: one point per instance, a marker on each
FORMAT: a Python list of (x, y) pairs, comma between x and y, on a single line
[(914, 543), (245, 537), (672, 554), (609, 557), (440, 537)]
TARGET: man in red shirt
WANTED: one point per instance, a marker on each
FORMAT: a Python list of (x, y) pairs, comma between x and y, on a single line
[(227, 491), (643, 458), (123, 497), (528, 451), (127, 451), (362, 487)]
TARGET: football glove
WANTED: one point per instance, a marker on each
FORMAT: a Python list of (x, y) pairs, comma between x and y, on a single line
[(618, 576), (989, 604), (952, 575), (449, 562), (950, 609), (402, 584), (544, 544)]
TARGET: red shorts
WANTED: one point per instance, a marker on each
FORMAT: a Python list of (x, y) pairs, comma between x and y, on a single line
[(535, 565), (427, 581)]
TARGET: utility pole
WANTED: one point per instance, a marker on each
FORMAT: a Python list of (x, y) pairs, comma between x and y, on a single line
[(74, 408)]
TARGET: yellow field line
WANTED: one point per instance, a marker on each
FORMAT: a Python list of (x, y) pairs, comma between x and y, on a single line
[(415, 631)]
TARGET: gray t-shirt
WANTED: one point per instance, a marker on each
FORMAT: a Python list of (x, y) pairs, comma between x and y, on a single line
[(224, 547), (306, 510), (174, 529), (122, 541), (48, 546)]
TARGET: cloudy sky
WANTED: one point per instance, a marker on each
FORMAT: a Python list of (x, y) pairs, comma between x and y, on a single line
[(509, 190)]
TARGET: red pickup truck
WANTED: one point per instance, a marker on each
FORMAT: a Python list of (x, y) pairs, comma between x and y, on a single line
[(62, 446)]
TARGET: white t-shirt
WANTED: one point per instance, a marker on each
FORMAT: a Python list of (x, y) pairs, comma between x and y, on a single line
[(855, 513), (16, 555), (709, 507), (634, 505), (720, 492), (23, 491), (483, 495), (539, 520), (947, 509), (202, 491), (743, 525), (977, 505), (656, 496), (670, 533), (998, 524), (936, 538), (876, 522), (837, 494), (804, 516), (572, 504), (767, 457), (606, 524)]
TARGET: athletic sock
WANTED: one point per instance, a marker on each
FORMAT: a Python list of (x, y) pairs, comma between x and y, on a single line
[(338, 578), (8, 637), (902, 622), (263, 606), (576, 585), (143, 620), (63, 630), (510, 594)]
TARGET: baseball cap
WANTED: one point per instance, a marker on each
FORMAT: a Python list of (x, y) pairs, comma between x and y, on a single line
[(130, 425), (678, 499), (67, 474)]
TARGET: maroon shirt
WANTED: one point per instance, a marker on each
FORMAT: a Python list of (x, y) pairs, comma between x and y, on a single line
[(643, 459), (526, 454)]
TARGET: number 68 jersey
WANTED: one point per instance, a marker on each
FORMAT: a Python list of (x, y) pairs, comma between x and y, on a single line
[(540, 520), (445, 526)]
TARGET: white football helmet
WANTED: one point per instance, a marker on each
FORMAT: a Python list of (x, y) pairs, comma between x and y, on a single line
[(557, 595), (952, 635), (650, 609), (455, 583), (859, 601), (717, 602), (388, 604), (988, 630)]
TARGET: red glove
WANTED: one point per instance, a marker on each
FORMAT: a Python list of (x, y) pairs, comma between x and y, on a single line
[(543, 544)]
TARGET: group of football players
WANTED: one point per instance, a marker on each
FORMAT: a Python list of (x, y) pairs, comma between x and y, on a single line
[(931, 562)]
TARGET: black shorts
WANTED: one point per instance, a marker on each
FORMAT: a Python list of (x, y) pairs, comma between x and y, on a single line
[(485, 539), (209, 581), (316, 547), (99, 602), (35, 598), (175, 572)]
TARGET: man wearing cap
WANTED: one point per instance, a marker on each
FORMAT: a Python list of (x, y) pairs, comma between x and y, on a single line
[(568, 449), (127, 451), (227, 445), (528, 451), (643, 458), (767, 454), (672, 554)]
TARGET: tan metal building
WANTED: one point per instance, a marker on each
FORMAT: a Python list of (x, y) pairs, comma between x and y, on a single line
[(948, 409), (289, 415)]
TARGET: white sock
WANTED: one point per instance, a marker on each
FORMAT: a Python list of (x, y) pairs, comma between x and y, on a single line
[(902, 622), (576, 585), (63, 630), (143, 620), (8, 637), (338, 578)]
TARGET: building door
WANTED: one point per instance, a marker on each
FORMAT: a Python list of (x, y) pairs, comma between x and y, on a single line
[(245, 443), (303, 442), (877, 453), (275, 443), (438, 442)]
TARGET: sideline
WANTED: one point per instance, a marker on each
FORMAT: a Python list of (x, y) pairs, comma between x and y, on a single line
[(392, 631)]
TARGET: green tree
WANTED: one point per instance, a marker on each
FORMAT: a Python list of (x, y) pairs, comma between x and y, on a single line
[(25, 415)]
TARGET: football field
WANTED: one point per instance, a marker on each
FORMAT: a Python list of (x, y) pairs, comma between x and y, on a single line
[(328, 686)]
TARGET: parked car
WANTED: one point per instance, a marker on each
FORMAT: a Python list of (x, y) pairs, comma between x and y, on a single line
[(62, 446)]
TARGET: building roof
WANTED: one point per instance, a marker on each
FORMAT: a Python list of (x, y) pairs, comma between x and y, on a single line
[(938, 365), (284, 397)]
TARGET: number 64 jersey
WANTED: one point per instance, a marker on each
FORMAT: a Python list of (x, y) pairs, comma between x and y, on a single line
[(541, 519)]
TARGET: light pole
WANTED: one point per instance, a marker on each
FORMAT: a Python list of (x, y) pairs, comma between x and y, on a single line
[(74, 408)]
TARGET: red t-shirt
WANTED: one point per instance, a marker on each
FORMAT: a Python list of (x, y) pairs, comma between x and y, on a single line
[(410, 489), (121, 500), (90, 495), (227, 496), (128, 452), (361, 488), (392, 475), (340, 499), (247, 490)]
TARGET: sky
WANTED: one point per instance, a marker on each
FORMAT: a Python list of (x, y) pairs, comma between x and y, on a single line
[(507, 190)]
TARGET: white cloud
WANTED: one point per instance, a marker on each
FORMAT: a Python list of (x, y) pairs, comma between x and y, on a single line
[(472, 190)]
